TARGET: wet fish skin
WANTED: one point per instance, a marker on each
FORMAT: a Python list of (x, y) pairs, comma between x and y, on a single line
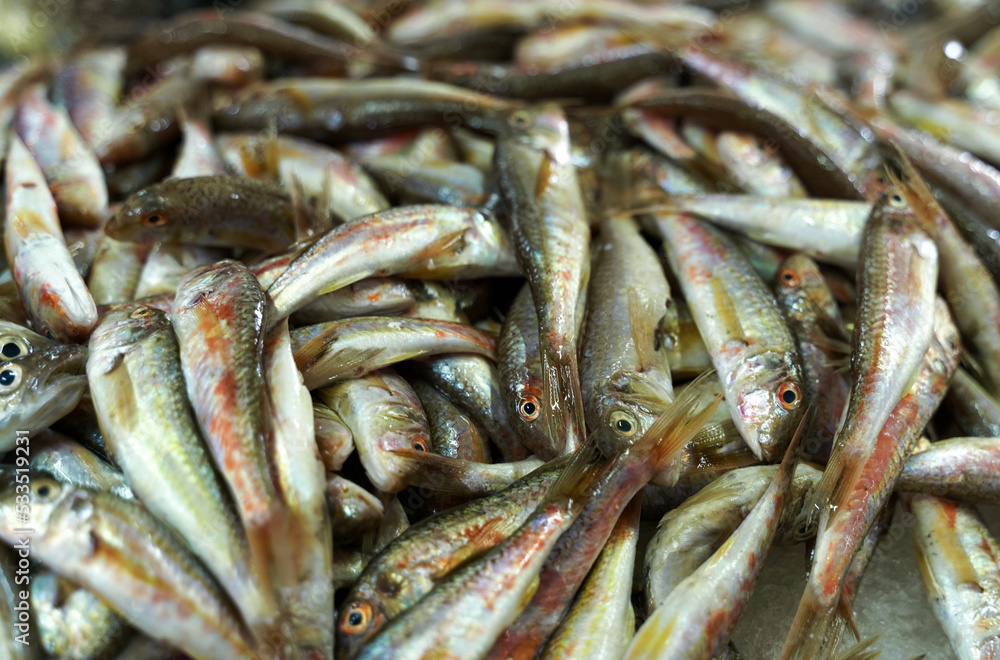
[(453, 433), (624, 370), (333, 439), (350, 348), (894, 325), (433, 242), (963, 469), (74, 176), (68, 461), (116, 271), (90, 85), (410, 566), (844, 524), (814, 317), (957, 558), (53, 292), (124, 555), (225, 211), (383, 413), (548, 222), (974, 409), (131, 348), (753, 350), (601, 620), (353, 510)]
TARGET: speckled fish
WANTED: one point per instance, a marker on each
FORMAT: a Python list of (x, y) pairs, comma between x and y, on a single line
[(146, 120), (339, 185), (434, 242), (845, 522), (144, 426), (970, 291), (375, 296), (53, 291), (409, 567), (68, 461), (453, 433), (127, 557), (601, 622), (957, 556), (353, 510), (17, 643), (90, 84), (333, 438), (964, 469), (72, 622), (520, 365), (815, 318), (301, 482), (825, 229), (383, 413), (40, 382), (687, 536), (117, 268), (219, 316), (539, 185), (630, 467), (353, 347), (479, 605), (327, 107), (74, 176), (894, 325), (225, 211), (699, 614), (743, 328), (624, 370), (972, 407), (473, 384)]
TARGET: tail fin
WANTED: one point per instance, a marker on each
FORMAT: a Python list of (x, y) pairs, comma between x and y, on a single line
[(455, 476), (563, 413)]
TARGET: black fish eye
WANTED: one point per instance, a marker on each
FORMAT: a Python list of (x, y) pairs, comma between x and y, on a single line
[(10, 350), (7, 377), (529, 408), (43, 491), (355, 619), (623, 425)]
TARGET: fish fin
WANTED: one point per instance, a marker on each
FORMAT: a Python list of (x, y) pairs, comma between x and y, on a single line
[(305, 221), (846, 610), (443, 474), (830, 345), (544, 174), (668, 329), (443, 244), (643, 332), (679, 424), (719, 446), (320, 369), (725, 307), (862, 650), (562, 409)]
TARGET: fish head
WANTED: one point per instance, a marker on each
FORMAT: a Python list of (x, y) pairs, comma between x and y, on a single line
[(361, 617), (630, 402), (119, 329), (39, 388), (527, 411), (766, 395), (17, 341), (56, 513), (146, 217), (540, 129), (800, 282)]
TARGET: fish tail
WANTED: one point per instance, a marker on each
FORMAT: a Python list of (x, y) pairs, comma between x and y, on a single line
[(807, 637)]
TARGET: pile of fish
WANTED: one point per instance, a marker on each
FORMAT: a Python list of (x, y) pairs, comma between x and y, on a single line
[(479, 329)]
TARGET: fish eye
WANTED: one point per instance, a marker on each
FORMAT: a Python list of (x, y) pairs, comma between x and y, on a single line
[(45, 489), (520, 119), (356, 619), (48, 333), (12, 347), (806, 529), (896, 200), (528, 408), (141, 312), (623, 423), (420, 445), (155, 219), (789, 277), (10, 378), (789, 395)]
